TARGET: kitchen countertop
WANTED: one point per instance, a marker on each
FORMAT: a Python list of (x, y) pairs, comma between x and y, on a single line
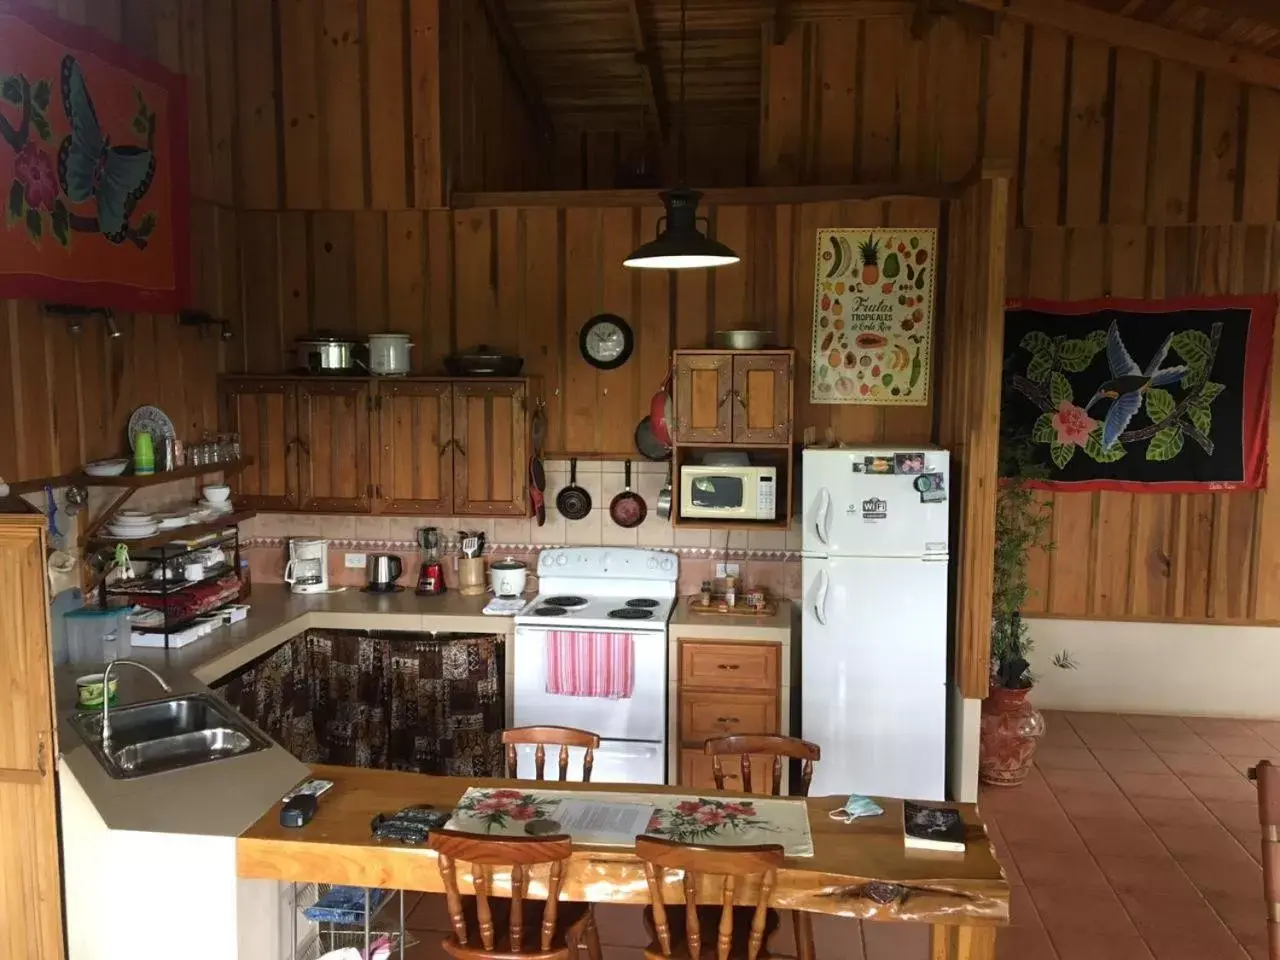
[(687, 625)]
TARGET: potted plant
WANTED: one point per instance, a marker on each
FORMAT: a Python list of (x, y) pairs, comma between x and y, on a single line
[(1011, 726)]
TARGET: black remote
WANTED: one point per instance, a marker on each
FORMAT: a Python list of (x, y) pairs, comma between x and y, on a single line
[(298, 811)]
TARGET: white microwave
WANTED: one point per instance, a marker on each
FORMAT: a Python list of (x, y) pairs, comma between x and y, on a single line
[(728, 493)]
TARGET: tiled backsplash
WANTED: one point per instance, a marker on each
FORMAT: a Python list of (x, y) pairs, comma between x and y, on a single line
[(769, 558)]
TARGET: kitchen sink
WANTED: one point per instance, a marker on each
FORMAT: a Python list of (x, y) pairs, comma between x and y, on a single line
[(168, 734)]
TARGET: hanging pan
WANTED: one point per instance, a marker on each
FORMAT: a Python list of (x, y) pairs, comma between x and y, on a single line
[(628, 508), (647, 442), (573, 502)]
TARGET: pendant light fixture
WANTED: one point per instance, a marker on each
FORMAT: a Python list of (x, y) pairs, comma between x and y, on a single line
[(680, 245)]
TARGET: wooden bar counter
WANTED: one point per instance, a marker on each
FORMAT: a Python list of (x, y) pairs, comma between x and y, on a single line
[(859, 870)]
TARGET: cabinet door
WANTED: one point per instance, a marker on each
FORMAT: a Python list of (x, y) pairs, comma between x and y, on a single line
[(490, 454), (30, 888), (762, 398), (414, 456), (703, 385), (264, 412), (333, 446)]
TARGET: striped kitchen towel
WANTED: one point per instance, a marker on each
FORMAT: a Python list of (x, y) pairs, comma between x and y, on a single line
[(585, 664)]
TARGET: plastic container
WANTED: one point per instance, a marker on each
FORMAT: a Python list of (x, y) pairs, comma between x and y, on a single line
[(98, 636)]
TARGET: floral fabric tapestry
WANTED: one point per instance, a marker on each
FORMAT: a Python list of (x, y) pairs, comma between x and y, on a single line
[(95, 204), (873, 316), (1170, 396)]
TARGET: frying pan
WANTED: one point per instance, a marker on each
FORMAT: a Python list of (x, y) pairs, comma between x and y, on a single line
[(660, 413), (537, 483), (628, 508), (647, 442), (573, 502), (664, 498)]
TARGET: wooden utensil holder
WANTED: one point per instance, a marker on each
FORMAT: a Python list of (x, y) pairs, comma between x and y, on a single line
[(471, 576)]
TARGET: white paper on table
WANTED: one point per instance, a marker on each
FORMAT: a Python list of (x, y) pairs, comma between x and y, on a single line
[(591, 821)]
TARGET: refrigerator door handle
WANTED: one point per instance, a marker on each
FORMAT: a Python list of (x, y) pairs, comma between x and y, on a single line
[(822, 516), (820, 598)]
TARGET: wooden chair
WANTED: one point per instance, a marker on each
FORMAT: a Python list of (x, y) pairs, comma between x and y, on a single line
[(1267, 775), (564, 737), (556, 935), (747, 745), (682, 938)]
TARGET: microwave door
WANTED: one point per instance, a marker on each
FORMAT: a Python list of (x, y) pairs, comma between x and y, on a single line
[(717, 493)]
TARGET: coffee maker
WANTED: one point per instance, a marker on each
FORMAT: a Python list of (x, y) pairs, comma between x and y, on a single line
[(431, 572), (308, 568)]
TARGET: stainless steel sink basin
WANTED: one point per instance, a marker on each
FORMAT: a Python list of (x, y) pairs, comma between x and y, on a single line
[(168, 734)]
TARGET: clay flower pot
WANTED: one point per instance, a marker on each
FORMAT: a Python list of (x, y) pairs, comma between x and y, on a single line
[(1011, 728)]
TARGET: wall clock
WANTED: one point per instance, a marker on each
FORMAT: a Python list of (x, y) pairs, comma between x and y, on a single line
[(606, 341)]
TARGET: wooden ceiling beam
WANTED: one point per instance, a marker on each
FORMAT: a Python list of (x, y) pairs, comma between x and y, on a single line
[(1243, 65), (1265, 12), (651, 71), (513, 52)]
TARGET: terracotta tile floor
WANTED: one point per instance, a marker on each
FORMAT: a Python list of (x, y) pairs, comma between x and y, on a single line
[(1136, 838)]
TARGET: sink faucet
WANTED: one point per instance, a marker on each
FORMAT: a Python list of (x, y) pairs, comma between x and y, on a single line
[(106, 695)]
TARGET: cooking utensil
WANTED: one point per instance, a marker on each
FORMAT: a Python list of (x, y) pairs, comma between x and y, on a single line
[(573, 501), (741, 339), (325, 353), (627, 509), (649, 446), (389, 354), (507, 577), (471, 543), (537, 483), (483, 361), (664, 498), (660, 413)]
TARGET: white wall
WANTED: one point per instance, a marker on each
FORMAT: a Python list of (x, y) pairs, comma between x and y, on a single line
[(1160, 668)]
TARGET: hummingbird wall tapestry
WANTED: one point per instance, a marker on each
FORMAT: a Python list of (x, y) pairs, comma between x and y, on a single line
[(95, 205), (1170, 396)]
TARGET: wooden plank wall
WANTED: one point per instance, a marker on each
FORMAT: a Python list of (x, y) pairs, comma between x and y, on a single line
[(525, 278), (605, 159), (65, 398), (1133, 176)]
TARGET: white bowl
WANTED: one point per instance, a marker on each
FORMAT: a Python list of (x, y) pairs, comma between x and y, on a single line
[(216, 493), (134, 533), (106, 468), (131, 521)]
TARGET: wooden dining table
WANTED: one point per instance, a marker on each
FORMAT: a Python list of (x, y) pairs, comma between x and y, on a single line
[(859, 870)]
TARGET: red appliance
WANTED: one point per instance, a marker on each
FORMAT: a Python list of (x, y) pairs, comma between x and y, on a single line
[(431, 571)]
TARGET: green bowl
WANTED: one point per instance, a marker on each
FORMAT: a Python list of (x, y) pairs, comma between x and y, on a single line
[(89, 689)]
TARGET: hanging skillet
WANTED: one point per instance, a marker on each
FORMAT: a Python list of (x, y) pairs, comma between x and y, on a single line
[(647, 442), (628, 508), (573, 502)]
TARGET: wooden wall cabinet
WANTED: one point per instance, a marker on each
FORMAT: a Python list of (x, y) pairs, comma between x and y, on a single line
[(416, 447), (733, 397)]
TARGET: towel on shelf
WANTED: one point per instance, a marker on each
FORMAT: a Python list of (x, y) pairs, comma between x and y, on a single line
[(588, 664)]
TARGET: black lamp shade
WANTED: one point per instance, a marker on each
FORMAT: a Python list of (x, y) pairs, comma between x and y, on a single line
[(680, 245)]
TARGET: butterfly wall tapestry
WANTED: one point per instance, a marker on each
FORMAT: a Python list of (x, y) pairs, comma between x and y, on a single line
[(95, 201), (1170, 396)]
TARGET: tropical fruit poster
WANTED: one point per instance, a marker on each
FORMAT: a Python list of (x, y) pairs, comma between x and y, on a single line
[(1169, 396), (96, 197), (873, 315)]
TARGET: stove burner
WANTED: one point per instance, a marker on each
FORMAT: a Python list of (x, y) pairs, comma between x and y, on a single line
[(630, 613), (566, 601), (549, 610), (644, 603)]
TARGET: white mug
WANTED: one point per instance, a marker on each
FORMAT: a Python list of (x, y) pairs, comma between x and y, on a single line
[(193, 571)]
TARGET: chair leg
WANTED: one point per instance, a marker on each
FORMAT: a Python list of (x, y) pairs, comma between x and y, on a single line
[(592, 938), (803, 926)]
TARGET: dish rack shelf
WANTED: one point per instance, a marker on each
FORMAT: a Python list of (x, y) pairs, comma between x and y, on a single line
[(386, 919)]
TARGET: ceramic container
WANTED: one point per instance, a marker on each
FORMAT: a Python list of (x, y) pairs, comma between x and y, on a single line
[(1011, 728)]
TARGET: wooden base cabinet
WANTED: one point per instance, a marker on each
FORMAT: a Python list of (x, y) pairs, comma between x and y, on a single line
[(30, 881)]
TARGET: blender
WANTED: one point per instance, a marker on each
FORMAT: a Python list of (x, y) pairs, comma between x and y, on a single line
[(431, 572)]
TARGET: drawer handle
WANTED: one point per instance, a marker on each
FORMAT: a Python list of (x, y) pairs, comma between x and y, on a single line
[(727, 666), (727, 720)]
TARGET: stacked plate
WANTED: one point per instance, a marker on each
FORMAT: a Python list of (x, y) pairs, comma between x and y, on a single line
[(217, 509), (132, 525)]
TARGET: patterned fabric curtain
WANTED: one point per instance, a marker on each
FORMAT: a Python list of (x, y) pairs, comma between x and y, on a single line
[(394, 701)]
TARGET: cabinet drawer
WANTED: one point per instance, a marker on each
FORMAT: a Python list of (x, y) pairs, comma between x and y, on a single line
[(695, 773), (704, 715), (736, 666)]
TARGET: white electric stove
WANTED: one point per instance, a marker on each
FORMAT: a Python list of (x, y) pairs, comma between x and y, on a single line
[(615, 590)]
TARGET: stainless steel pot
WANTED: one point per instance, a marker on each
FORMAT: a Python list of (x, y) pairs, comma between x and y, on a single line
[(324, 354), (389, 354)]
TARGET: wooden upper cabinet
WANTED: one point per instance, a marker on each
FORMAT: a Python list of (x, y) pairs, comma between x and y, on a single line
[(762, 398), (413, 459), (704, 383), (30, 885), (333, 445), (490, 454), (265, 414)]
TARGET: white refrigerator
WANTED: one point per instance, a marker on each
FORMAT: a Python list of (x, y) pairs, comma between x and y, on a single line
[(874, 623)]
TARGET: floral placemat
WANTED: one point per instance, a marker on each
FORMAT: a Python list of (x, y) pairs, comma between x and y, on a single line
[(723, 822)]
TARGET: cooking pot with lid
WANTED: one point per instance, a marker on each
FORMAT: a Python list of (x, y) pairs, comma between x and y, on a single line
[(325, 353), (507, 577)]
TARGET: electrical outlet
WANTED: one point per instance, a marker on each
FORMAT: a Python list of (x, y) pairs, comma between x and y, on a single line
[(355, 561), (727, 570)]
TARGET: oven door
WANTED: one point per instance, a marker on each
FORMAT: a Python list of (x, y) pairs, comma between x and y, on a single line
[(617, 761), (642, 716)]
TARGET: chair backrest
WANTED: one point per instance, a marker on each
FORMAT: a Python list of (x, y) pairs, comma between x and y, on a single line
[(520, 854), (564, 737), (734, 864), (1267, 774), (745, 745)]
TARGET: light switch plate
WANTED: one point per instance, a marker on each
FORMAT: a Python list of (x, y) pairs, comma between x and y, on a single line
[(728, 570), (355, 561)]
